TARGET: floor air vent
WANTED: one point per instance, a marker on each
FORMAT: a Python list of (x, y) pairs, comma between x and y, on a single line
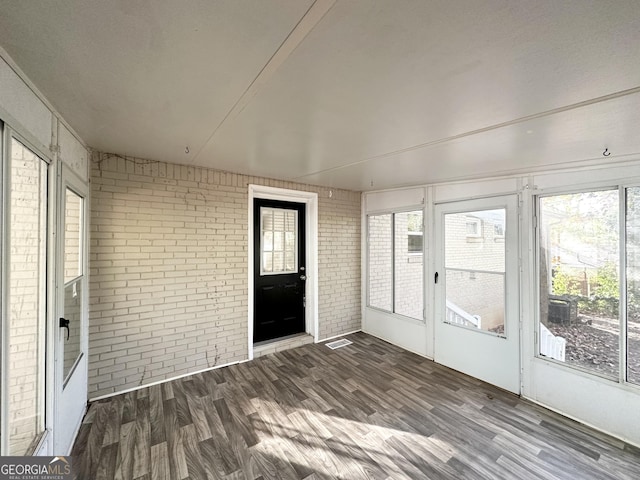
[(338, 343)]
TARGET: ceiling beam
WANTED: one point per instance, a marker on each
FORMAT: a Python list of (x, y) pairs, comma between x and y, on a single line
[(309, 20)]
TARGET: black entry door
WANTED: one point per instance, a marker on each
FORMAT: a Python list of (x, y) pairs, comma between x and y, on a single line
[(279, 266)]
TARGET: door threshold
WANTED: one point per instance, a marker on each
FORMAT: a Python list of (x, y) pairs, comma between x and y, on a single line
[(279, 344)]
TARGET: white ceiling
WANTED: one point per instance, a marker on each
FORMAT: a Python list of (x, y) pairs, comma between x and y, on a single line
[(358, 94)]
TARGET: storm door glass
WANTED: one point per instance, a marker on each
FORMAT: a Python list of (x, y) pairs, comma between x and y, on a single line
[(474, 245), (73, 278)]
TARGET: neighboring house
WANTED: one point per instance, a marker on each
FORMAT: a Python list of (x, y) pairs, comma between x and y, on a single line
[(475, 255)]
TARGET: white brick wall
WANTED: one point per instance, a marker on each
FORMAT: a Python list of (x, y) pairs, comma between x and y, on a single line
[(168, 269)]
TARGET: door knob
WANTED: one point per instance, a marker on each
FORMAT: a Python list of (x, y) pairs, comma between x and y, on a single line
[(303, 277), (64, 323)]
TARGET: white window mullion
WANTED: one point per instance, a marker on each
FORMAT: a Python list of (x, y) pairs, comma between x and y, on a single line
[(393, 262), (622, 309), (4, 324)]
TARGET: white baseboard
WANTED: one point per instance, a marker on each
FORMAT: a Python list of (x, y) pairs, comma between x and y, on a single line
[(159, 382)]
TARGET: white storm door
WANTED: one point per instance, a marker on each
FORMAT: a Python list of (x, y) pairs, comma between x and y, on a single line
[(476, 285), (71, 322)]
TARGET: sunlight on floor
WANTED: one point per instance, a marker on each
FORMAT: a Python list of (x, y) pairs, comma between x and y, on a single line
[(311, 432)]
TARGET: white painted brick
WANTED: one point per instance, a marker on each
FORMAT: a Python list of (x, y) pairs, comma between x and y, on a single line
[(168, 266)]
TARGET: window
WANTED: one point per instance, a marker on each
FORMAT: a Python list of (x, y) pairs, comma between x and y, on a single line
[(581, 319), (380, 262), (396, 267), (278, 240), (632, 227), (414, 233), (474, 227), (415, 242), (498, 230), (26, 297), (72, 236)]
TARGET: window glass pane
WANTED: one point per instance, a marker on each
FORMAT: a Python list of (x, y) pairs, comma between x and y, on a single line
[(579, 287), (633, 285), (267, 220), (290, 261), (475, 270), (26, 298), (267, 261), (290, 233), (73, 249), (278, 261), (409, 276), (267, 241), (380, 262), (73, 313), (72, 239), (279, 240), (278, 219)]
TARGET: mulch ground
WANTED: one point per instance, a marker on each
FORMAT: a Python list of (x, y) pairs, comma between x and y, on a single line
[(593, 343)]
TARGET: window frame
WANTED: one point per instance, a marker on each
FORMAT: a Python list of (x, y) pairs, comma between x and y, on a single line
[(621, 188), (265, 273), (392, 240), (45, 346), (392, 253)]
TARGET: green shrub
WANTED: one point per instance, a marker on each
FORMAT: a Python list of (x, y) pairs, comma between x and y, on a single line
[(603, 298)]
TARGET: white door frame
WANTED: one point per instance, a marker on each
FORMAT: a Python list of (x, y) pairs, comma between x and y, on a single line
[(310, 199), (447, 351)]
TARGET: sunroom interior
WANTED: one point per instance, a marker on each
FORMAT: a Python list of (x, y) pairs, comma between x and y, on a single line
[(187, 188)]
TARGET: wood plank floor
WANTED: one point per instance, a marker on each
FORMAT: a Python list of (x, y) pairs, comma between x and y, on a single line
[(368, 410)]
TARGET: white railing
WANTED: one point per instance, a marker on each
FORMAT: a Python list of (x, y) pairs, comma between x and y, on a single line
[(458, 316), (550, 345)]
